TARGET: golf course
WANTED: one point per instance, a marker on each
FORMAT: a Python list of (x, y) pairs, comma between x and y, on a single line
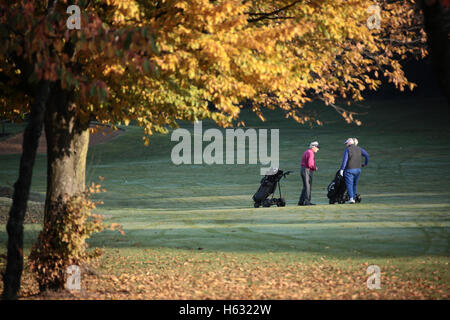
[(191, 231)]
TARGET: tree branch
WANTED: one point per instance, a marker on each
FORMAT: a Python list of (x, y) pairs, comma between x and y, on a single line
[(268, 15)]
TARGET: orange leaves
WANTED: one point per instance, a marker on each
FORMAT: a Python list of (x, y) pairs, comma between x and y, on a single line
[(118, 227), (187, 274), (160, 64), (95, 188), (69, 222)]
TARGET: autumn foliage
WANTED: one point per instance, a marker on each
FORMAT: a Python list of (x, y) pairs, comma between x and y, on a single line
[(157, 63), (62, 242)]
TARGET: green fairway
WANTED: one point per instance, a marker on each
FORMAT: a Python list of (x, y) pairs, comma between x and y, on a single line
[(195, 210)]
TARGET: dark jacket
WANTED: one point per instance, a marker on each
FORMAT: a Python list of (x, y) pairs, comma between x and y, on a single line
[(353, 157)]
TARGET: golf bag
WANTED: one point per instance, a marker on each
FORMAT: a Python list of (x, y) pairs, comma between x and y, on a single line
[(268, 186), (337, 191)]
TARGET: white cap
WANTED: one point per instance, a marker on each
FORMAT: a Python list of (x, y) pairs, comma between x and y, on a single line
[(349, 141), (314, 144)]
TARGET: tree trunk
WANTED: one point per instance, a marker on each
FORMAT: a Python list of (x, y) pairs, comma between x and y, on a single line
[(14, 265), (67, 146)]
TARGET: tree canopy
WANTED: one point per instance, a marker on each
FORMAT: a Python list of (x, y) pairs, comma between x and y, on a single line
[(160, 61)]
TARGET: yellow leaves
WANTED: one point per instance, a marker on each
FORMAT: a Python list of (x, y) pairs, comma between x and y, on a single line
[(62, 241), (169, 62), (146, 140), (191, 73), (181, 5), (308, 10), (210, 52), (117, 227), (115, 69), (125, 10)]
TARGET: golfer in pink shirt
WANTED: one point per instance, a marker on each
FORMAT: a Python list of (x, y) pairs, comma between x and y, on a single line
[(308, 167)]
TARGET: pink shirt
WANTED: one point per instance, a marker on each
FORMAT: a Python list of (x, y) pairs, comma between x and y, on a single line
[(308, 161)]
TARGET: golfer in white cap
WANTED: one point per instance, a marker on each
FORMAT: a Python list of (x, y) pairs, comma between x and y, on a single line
[(351, 166), (308, 167)]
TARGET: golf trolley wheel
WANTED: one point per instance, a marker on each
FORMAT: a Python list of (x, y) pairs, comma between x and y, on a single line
[(332, 201), (281, 202), (358, 198), (267, 203), (257, 204)]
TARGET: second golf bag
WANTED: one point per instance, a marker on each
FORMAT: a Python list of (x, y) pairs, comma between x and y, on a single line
[(337, 190), (268, 186)]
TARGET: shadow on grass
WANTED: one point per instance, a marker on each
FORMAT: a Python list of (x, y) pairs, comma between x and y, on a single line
[(338, 242)]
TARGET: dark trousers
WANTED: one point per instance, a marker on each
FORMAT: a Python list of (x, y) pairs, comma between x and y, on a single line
[(307, 177)]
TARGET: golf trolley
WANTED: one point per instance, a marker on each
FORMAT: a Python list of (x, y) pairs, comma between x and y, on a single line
[(268, 186), (337, 191)]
